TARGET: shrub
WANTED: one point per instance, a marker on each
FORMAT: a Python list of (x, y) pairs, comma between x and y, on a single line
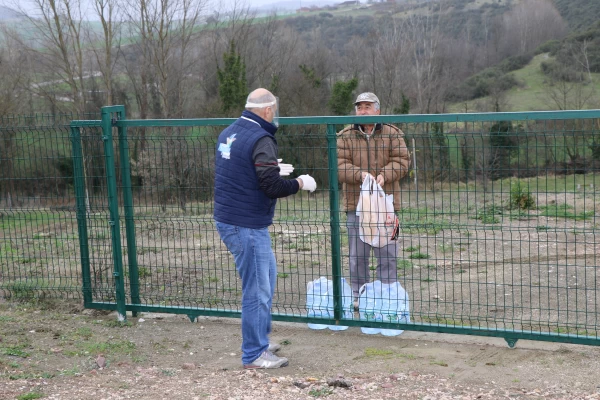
[(515, 62), (520, 198), (551, 46)]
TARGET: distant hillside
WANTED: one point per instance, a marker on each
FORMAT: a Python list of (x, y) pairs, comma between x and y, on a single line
[(294, 4), (579, 14), (532, 93), (7, 14)]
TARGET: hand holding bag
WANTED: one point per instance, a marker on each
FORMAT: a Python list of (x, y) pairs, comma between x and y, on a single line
[(378, 224)]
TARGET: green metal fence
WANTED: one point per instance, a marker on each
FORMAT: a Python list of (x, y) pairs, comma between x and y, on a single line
[(39, 257), (498, 222)]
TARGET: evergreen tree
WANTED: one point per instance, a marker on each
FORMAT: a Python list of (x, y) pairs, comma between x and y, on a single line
[(340, 102), (233, 88), (404, 107)]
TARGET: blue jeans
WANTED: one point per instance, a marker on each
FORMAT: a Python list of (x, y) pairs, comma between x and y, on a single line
[(255, 262)]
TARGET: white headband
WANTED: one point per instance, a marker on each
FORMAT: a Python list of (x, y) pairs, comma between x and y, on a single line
[(260, 105)]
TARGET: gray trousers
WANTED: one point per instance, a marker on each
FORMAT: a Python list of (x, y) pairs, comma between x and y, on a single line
[(360, 252)]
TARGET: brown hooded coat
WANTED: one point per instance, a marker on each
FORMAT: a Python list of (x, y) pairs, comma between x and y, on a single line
[(383, 153)]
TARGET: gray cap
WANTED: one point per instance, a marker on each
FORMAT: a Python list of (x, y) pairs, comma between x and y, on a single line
[(368, 97)]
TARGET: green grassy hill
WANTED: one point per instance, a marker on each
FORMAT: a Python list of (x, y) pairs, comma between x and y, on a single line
[(531, 95)]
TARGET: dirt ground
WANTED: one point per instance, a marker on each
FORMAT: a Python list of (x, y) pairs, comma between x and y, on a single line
[(64, 352)]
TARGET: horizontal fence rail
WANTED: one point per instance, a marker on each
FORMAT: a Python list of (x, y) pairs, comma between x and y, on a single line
[(497, 220)]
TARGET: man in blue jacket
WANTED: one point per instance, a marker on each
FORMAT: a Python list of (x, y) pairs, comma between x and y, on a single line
[(248, 183)]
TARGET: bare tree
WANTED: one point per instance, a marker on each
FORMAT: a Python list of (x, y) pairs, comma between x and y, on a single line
[(13, 68), (58, 45), (391, 56), (530, 24), (159, 62), (424, 34), (106, 46)]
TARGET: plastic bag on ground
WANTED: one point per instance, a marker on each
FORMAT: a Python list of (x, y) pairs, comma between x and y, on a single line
[(383, 302), (319, 302)]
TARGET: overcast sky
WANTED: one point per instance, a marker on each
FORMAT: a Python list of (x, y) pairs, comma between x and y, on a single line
[(221, 5)]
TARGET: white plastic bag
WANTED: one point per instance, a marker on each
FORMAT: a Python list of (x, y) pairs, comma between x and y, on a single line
[(378, 224), (319, 302)]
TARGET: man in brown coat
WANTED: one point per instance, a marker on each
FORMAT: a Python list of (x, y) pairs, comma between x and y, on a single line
[(378, 150)]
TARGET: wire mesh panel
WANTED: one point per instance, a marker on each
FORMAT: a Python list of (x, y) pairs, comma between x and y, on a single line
[(179, 254), (94, 209), (497, 219), (39, 252), (499, 225)]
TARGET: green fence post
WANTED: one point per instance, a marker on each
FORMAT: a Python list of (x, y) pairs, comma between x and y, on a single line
[(81, 213), (134, 279), (334, 218), (113, 205)]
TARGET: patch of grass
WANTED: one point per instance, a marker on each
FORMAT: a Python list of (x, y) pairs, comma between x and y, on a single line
[(564, 211), (169, 372), (45, 375), (15, 351), (404, 264), (84, 332), (144, 272), (113, 323), (542, 228), (488, 215), (431, 266), (429, 227), (29, 290), (373, 352), (115, 347), (30, 396), (446, 248), (322, 392), (414, 212), (282, 275), (410, 249), (428, 280), (489, 219), (73, 371), (419, 256), (146, 250), (7, 250), (139, 359), (440, 363)]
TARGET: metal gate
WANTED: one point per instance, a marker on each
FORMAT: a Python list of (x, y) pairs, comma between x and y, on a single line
[(473, 257)]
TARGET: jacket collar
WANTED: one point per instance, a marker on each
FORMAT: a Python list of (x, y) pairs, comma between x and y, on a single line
[(266, 125), (378, 127)]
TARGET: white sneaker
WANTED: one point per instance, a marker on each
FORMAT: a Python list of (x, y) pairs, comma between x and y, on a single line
[(267, 360), (273, 347)]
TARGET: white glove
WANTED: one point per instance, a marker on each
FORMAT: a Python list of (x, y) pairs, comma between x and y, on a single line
[(308, 182), (284, 169)]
